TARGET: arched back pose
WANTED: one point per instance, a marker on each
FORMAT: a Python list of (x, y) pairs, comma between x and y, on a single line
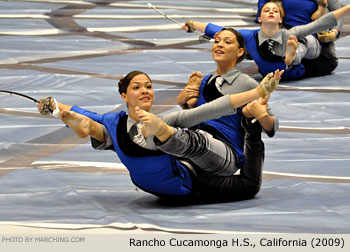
[(273, 47), (163, 174)]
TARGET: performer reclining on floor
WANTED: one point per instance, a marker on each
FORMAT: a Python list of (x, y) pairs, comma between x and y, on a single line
[(178, 163)]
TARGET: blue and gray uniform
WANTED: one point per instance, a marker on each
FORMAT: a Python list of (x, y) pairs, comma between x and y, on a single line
[(228, 128), (152, 171), (294, 15), (266, 65), (164, 176), (157, 172)]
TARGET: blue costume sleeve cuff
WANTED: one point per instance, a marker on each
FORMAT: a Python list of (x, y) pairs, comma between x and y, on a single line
[(211, 29), (77, 109)]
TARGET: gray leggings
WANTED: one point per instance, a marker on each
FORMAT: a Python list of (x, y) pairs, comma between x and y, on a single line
[(202, 149), (308, 48)]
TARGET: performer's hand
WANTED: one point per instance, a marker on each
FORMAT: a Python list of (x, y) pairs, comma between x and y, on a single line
[(191, 92), (47, 105), (189, 26), (257, 107), (269, 83), (150, 122), (153, 125)]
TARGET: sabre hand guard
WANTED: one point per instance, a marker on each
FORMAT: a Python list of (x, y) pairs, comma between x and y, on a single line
[(49, 106)]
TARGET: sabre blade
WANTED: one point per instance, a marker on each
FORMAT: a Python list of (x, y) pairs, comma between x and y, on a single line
[(21, 95), (163, 14), (171, 19)]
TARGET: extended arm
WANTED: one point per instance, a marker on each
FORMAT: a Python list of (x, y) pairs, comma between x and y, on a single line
[(190, 117), (339, 13), (187, 118), (191, 26), (208, 28), (323, 23), (332, 6), (334, 32), (82, 125)]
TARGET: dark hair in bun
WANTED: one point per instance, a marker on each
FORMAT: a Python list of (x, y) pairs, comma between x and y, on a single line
[(125, 81)]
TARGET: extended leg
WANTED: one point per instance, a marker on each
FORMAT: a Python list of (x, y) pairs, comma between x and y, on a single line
[(254, 152), (291, 50), (324, 64), (237, 187), (202, 149), (308, 48)]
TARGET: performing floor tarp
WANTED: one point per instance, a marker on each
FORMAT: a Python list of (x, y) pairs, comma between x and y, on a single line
[(53, 182)]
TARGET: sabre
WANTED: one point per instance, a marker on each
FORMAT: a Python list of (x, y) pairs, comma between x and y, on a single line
[(173, 20), (20, 95), (46, 103)]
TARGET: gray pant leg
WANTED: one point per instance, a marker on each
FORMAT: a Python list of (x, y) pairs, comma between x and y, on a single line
[(308, 48), (201, 149)]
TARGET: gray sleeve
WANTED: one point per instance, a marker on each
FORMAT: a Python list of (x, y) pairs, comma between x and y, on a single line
[(241, 84), (334, 5), (190, 117), (323, 23), (106, 145), (245, 83)]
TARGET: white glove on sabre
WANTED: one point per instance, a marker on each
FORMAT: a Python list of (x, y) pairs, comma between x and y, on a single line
[(56, 111)]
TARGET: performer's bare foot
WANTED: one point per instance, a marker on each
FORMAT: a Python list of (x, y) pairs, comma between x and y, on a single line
[(77, 122), (154, 126), (291, 50), (195, 82)]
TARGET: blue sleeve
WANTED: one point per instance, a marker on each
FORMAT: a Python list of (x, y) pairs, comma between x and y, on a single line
[(260, 4), (211, 29), (92, 115)]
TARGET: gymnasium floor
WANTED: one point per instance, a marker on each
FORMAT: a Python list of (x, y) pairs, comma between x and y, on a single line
[(53, 182)]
